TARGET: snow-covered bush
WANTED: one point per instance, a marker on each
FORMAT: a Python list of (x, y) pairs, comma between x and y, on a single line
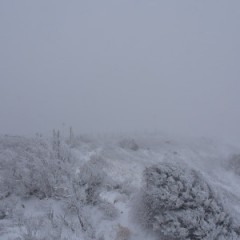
[(75, 209), (129, 144), (176, 203), (86, 187), (88, 182), (30, 167)]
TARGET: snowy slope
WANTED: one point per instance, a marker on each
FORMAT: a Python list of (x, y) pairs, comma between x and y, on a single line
[(122, 167)]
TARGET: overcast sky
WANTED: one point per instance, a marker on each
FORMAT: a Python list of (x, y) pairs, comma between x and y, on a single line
[(120, 65)]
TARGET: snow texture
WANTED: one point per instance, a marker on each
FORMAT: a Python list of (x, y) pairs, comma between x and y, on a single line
[(177, 203), (118, 188)]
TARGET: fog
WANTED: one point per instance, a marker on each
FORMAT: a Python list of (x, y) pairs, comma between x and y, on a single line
[(114, 66)]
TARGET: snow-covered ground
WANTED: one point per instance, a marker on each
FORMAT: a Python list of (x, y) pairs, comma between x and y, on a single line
[(92, 194)]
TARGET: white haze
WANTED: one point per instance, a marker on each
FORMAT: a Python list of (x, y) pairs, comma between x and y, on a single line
[(112, 66)]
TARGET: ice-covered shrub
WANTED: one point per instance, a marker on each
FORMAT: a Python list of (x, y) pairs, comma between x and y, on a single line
[(88, 182), (176, 203), (129, 144), (86, 187), (76, 209), (30, 167)]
